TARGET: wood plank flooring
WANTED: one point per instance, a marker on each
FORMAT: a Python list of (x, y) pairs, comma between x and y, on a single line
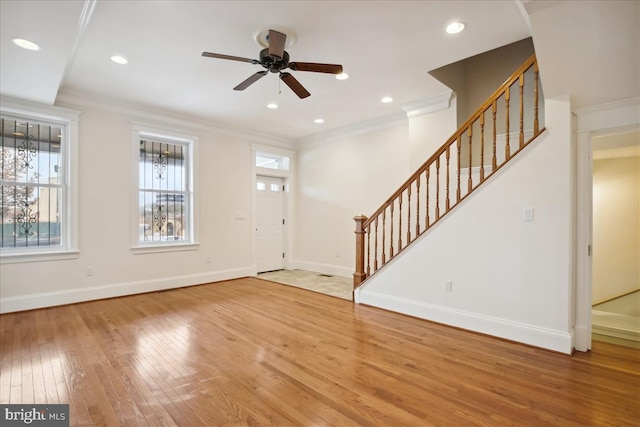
[(252, 352)]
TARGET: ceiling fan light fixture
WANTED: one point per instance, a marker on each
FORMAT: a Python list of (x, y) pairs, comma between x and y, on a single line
[(342, 76), (261, 36), (25, 44), (319, 121), (272, 106), (455, 27), (386, 100)]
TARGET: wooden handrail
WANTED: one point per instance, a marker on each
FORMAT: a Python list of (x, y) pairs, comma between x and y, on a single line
[(368, 248)]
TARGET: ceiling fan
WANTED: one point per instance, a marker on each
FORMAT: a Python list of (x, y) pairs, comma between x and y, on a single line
[(275, 59)]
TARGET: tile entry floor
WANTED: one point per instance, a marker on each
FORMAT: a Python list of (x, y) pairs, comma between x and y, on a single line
[(336, 286)]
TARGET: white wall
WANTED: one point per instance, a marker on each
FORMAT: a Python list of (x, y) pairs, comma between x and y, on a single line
[(511, 278), (224, 178), (337, 180), (427, 132)]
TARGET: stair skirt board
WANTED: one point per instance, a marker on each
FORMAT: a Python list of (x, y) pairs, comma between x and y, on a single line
[(615, 325), (502, 328)]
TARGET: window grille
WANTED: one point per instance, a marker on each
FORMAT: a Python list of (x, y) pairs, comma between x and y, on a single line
[(33, 184), (163, 192)]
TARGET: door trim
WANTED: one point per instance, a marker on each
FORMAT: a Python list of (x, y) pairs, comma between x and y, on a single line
[(288, 177), (599, 120)]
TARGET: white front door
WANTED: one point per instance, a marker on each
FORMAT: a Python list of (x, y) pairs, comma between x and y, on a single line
[(270, 223)]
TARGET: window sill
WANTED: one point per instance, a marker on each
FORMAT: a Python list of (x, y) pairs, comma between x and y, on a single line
[(10, 258), (164, 247)]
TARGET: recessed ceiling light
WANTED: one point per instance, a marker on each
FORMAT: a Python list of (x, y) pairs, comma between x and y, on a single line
[(25, 44), (119, 59), (386, 99), (342, 76), (272, 106), (455, 27), (318, 121)]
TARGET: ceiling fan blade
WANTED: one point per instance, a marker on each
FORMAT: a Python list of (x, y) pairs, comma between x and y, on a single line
[(294, 85), (317, 68), (277, 41), (233, 58), (251, 80)]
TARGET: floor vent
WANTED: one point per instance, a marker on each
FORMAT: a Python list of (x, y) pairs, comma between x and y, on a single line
[(324, 275)]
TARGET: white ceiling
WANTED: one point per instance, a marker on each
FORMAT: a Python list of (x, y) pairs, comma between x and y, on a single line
[(387, 48)]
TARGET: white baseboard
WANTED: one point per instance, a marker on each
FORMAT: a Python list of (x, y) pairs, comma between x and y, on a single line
[(615, 325), (507, 329), (333, 270), (71, 296)]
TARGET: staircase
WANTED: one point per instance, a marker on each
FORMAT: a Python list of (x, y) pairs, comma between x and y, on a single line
[(506, 123)]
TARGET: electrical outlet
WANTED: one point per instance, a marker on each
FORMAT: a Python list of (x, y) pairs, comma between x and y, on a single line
[(88, 270), (527, 214), (207, 260), (448, 285)]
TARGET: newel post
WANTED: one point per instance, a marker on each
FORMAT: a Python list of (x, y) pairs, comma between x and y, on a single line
[(359, 275)]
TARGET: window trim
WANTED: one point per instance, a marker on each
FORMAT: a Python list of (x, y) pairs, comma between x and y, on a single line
[(172, 136), (69, 153)]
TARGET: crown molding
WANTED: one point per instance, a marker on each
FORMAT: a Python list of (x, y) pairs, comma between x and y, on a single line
[(385, 122), (440, 101), (148, 114)]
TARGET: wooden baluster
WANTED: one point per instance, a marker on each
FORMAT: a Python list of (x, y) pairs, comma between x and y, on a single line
[(507, 149), (409, 214), (426, 219), (359, 276), (459, 143), (384, 231), (400, 222), (375, 246), (391, 233), (482, 146), (469, 180), (438, 188), (368, 250), (536, 123), (521, 144), (418, 206), (494, 161), (447, 202)]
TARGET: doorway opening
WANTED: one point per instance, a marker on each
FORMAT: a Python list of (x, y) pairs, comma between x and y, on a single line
[(272, 208), (615, 293)]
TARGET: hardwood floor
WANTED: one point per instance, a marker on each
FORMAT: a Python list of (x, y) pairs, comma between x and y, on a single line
[(252, 352)]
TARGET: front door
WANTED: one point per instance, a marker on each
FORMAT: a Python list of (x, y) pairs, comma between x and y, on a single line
[(270, 223)]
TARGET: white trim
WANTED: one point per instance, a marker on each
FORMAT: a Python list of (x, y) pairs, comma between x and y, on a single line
[(71, 296), (164, 247), (612, 115), (171, 135), (333, 270), (143, 113), (69, 152), (592, 121), (52, 255), (616, 325), (85, 18), (381, 123), (515, 331), (438, 102), (289, 200)]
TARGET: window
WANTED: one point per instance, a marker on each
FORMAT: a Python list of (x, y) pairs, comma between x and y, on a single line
[(165, 200), (272, 161), (35, 200)]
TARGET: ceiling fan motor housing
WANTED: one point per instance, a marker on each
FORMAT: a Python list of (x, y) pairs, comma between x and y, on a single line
[(273, 63)]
